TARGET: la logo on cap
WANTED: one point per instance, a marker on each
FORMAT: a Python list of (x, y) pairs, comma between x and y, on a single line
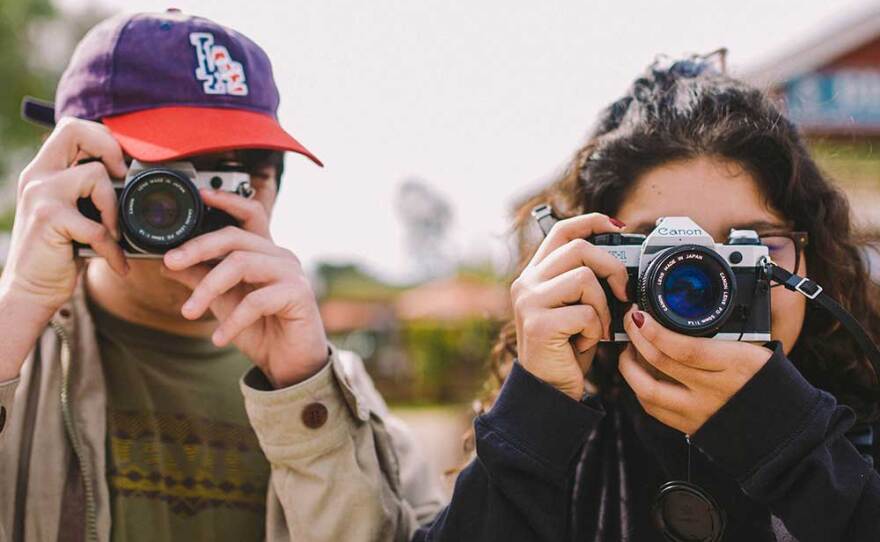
[(219, 73)]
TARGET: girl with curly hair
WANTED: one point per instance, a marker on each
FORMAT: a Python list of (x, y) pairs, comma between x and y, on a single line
[(778, 439)]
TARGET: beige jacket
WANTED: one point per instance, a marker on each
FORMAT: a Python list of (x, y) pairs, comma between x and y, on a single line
[(358, 477)]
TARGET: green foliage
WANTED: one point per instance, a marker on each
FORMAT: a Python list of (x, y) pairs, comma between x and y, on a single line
[(448, 358), (23, 78), (6, 218), (34, 38), (349, 281), (853, 163), (483, 272)]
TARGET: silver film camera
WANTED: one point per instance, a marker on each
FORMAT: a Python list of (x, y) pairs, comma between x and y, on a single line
[(688, 282), (160, 207)]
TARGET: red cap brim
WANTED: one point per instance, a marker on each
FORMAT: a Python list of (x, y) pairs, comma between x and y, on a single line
[(167, 133)]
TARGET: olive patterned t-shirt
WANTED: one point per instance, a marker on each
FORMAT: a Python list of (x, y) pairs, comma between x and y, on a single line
[(183, 462)]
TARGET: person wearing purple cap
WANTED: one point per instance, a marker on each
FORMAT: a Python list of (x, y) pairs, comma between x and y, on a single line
[(119, 414)]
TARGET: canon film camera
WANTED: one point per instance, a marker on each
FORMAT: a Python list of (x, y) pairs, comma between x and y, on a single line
[(160, 207), (689, 283)]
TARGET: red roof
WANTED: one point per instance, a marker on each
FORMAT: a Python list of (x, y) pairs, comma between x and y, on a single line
[(454, 299), (341, 315)]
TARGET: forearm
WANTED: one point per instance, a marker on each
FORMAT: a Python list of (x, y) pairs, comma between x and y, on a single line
[(334, 471), (519, 487), (793, 456), (23, 321)]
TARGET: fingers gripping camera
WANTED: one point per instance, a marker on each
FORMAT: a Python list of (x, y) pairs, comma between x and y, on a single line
[(160, 207), (692, 285)]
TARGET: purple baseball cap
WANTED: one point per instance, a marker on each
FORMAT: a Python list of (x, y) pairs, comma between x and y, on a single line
[(170, 85)]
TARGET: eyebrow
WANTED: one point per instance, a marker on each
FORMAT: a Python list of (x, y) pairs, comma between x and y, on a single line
[(762, 225)]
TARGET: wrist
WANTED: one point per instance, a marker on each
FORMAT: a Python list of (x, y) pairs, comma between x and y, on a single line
[(296, 372), (30, 302), (27, 309), (575, 392), (570, 385), (22, 319)]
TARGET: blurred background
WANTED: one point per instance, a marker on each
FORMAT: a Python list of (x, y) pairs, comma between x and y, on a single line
[(433, 117)]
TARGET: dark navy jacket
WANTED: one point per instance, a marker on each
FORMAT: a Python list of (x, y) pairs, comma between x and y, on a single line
[(776, 457)]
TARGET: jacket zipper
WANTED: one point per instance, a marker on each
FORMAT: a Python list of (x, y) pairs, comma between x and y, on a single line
[(73, 435)]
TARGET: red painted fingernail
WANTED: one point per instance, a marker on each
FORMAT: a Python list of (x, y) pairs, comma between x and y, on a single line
[(617, 223), (639, 319)]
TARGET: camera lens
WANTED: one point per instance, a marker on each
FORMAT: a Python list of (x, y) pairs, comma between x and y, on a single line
[(689, 289), (160, 209)]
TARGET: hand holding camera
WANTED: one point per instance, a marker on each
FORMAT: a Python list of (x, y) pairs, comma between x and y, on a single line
[(690, 293), (683, 380), (41, 265), (66, 207), (41, 271), (258, 292), (560, 307)]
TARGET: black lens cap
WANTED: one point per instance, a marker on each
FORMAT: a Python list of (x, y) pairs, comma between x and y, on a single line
[(685, 512)]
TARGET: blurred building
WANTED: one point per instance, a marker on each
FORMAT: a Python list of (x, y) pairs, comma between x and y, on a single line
[(830, 87)]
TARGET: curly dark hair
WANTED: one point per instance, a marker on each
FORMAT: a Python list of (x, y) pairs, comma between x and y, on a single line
[(687, 110)]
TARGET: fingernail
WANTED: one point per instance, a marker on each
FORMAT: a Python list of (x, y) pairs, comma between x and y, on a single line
[(617, 223), (188, 306), (638, 318), (175, 256), (217, 337)]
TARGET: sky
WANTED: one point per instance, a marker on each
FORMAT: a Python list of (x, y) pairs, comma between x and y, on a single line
[(485, 100)]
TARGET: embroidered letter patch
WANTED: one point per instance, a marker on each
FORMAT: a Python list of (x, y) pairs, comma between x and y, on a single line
[(216, 70)]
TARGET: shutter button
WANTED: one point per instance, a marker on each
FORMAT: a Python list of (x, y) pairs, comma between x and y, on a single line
[(314, 415)]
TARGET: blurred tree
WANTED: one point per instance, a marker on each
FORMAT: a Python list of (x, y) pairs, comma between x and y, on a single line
[(426, 215), (16, 54), (350, 281), (449, 359), (480, 271), (35, 44)]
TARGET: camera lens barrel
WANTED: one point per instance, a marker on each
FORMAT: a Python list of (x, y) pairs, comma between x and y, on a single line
[(159, 209), (689, 289)]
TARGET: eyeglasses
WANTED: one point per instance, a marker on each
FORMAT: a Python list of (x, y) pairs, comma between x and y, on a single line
[(785, 249)]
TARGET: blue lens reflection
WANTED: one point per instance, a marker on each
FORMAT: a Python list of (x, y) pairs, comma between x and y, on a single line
[(689, 291)]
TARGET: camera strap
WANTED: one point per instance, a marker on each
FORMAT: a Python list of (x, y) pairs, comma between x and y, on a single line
[(543, 215), (815, 294)]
